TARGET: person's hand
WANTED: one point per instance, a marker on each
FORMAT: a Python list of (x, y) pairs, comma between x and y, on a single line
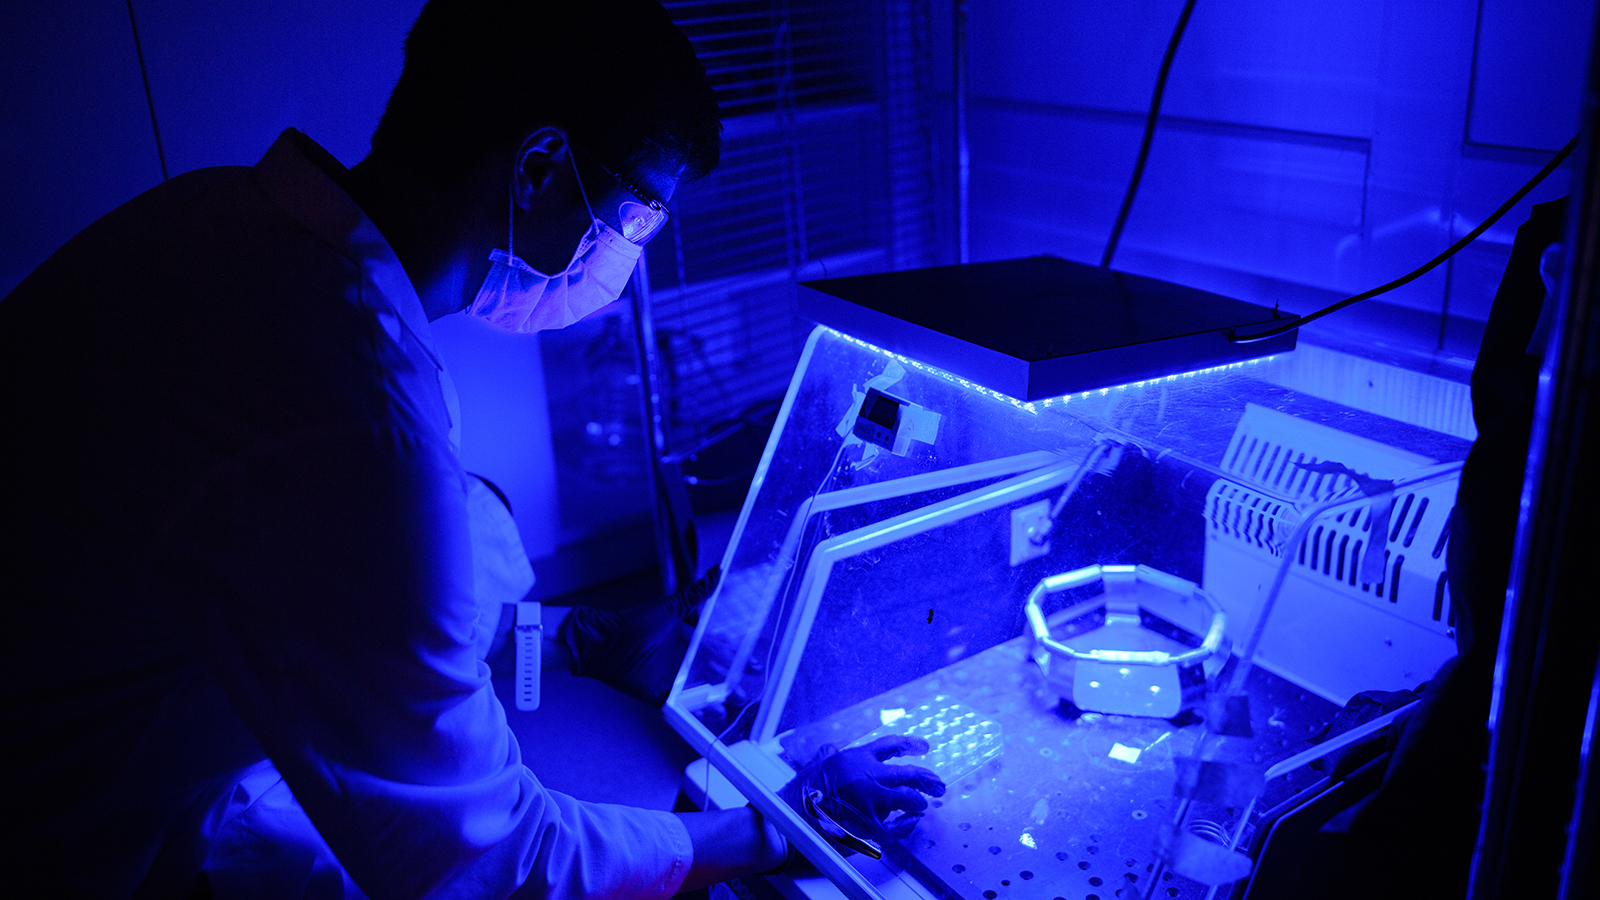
[(637, 651), (858, 790)]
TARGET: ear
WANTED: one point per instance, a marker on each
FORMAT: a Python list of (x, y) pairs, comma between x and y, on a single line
[(542, 154), (1550, 267)]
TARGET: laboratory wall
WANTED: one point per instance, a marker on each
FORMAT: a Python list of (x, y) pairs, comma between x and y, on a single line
[(225, 79), (1305, 151)]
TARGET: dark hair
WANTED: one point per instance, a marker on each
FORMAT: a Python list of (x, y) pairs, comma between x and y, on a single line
[(617, 74)]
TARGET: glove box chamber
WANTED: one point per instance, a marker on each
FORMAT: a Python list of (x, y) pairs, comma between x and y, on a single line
[(906, 509)]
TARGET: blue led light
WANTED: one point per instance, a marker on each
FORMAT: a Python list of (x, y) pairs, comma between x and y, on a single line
[(1033, 407)]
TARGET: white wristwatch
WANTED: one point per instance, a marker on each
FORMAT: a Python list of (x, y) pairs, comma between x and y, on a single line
[(528, 633)]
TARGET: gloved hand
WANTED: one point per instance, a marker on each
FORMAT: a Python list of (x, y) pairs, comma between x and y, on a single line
[(637, 651), (856, 789)]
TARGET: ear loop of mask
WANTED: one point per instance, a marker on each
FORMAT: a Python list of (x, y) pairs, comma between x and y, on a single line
[(581, 192), (511, 215), (511, 206)]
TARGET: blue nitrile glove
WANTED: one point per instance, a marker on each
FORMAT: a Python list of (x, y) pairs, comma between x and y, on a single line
[(855, 792), (637, 651)]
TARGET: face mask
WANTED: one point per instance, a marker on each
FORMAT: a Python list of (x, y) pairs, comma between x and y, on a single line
[(518, 298)]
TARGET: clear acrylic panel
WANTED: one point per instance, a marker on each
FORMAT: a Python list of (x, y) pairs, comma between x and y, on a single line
[(874, 588)]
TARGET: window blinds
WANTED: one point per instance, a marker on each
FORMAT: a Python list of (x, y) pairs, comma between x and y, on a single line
[(828, 168)]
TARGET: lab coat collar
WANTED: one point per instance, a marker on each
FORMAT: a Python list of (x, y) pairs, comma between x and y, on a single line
[(294, 173)]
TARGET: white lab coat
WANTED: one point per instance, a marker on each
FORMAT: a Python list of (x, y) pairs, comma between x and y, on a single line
[(244, 602)]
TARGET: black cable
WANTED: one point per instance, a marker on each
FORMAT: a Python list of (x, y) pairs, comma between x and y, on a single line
[(1149, 135), (149, 98), (1413, 275)]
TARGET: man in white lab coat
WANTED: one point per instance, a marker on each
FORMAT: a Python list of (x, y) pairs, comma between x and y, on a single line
[(243, 650)]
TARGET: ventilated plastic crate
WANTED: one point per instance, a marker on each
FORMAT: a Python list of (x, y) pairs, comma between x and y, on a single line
[(1333, 630)]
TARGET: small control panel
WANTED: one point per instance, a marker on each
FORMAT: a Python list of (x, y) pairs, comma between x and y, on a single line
[(878, 419)]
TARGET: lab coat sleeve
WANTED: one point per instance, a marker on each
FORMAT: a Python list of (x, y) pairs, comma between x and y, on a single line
[(500, 568), (325, 581)]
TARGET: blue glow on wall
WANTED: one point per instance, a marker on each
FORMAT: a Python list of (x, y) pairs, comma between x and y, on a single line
[(1306, 151), (225, 79)]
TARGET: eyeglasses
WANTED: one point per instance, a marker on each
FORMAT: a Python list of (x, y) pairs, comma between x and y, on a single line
[(640, 216)]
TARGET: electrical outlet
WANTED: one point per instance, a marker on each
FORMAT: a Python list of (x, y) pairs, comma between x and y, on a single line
[(1028, 523)]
